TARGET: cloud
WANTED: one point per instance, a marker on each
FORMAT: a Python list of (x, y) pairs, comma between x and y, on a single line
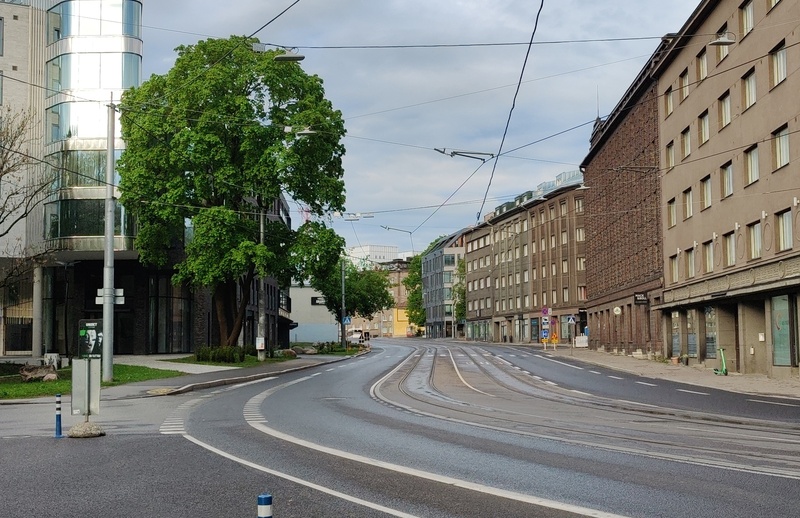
[(401, 103)]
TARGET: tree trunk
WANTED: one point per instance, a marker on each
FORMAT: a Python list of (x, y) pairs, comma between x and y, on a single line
[(230, 309)]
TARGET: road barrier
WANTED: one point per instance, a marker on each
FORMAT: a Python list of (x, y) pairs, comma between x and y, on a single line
[(58, 417), (265, 505)]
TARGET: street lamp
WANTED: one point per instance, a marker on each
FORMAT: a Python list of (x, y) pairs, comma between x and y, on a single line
[(288, 54)]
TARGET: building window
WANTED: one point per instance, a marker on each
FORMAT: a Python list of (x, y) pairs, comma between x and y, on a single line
[(690, 263), (688, 204), (754, 238), (777, 59), (686, 142), (725, 109), (705, 189), (525, 250), (702, 128), (746, 17), (751, 165), (580, 263), (580, 234), (726, 174), (578, 205), (582, 294), (702, 65), (730, 248), (673, 268), (553, 270), (780, 146), (670, 155), (525, 276), (708, 256), (564, 266), (668, 106), (683, 81), (563, 237), (563, 206), (552, 240), (784, 227), (722, 50), (749, 89), (544, 271), (555, 297), (672, 215), (565, 295)]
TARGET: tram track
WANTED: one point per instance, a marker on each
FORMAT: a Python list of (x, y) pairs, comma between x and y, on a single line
[(431, 383)]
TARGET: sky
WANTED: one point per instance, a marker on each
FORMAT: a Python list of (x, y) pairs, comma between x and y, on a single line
[(423, 76)]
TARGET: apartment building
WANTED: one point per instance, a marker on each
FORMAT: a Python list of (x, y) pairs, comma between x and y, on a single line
[(439, 276), (730, 186), (623, 222), (391, 322), (525, 266)]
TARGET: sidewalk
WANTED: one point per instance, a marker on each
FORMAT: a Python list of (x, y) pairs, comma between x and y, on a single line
[(697, 374)]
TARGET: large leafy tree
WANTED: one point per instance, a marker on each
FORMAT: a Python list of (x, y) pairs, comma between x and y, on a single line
[(211, 145), (415, 309), (366, 292)]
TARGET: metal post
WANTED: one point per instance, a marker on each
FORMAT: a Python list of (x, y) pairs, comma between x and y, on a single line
[(58, 435), (344, 312), (262, 296), (108, 269), (265, 505)]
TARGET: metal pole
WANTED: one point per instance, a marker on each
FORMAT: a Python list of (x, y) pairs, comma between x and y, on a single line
[(58, 435), (262, 297), (344, 312), (108, 270), (265, 505)]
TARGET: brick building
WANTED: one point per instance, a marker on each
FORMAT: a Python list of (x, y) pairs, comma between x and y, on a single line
[(623, 222)]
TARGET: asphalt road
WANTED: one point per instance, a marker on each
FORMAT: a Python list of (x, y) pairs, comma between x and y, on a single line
[(440, 431)]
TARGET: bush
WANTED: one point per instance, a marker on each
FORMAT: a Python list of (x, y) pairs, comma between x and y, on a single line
[(222, 354)]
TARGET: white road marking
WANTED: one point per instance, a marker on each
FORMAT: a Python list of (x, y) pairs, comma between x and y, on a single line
[(551, 383), (615, 377), (694, 392), (648, 384), (465, 381), (772, 403), (581, 393), (442, 479), (328, 370), (595, 372), (300, 481), (740, 436), (558, 362)]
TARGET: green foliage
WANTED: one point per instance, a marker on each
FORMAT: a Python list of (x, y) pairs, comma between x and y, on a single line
[(366, 291), (224, 354), (206, 147), (415, 307), (460, 292)]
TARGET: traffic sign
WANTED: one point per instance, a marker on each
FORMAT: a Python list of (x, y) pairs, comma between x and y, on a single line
[(545, 311), (570, 319), (546, 321), (346, 321), (545, 333)]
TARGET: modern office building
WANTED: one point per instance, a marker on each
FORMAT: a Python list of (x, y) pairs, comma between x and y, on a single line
[(439, 277), (64, 62), (731, 187)]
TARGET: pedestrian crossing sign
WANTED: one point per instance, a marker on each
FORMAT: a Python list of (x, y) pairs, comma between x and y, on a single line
[(346, 321), (571, 320)]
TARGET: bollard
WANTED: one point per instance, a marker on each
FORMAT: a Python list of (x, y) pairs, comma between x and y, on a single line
[(58, 417), (265, 505)]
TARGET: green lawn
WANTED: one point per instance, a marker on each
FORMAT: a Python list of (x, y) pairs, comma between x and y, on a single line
[(12, 388)]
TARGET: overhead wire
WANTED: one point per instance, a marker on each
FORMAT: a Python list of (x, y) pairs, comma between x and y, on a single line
[(511, 111)]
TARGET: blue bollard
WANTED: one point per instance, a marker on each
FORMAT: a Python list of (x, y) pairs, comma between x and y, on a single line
[(58, 417), (265, 505)]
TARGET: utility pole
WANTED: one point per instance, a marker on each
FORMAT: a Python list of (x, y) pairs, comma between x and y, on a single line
[(344, 312), (262, 296), (108, 269)]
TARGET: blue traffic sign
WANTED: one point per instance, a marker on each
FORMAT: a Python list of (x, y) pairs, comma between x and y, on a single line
[(346, 321), (545, 333)]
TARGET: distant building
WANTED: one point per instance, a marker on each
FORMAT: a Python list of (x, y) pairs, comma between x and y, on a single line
[(392, 322), (314, 322), (439, 276), (372, 253), (526, 266)]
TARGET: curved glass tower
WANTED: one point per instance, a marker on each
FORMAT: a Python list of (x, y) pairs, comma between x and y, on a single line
[(94, 52)]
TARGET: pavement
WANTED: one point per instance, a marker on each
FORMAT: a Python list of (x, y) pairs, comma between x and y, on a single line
[(198, 377)]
